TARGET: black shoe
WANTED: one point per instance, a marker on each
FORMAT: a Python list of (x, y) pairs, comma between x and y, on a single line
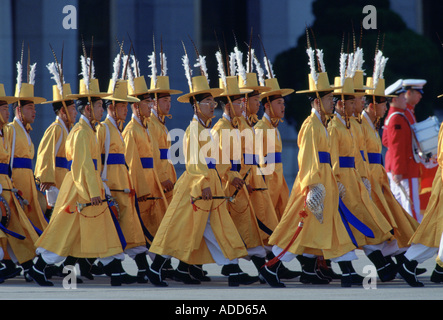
[(185, 277), (437, 274), (407, 271), (8, 269), (197, 272), (241, 278), (142, 264), (37, 273), (349, 277), (386, 270), (224, 271), (401, 259), (85, 266), (155, 278), (118, 274), (324, 269), (309, 273), (154, 273), (271, 277)]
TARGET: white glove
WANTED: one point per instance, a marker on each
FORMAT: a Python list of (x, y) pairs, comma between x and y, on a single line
[(107, 190), (341, 190), (368, 186), (315, 199), (51, 196)]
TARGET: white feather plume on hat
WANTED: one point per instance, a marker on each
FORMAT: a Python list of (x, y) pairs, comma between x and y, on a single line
[(220, 68)]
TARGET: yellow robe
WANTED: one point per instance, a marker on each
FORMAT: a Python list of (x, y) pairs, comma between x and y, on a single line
[(181, 232), (24, 250), (92, 232), (430, 230), (276, 182), (139, 158), (162, 165), (361, 160), (51, 165), (23, 173), (230, 163), (261, 197), (403, 224), (344, 151), (329, 239), (117, 178)]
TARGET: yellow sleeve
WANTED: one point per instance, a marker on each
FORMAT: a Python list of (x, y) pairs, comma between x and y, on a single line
[(194, 167), (308, 159), (136, 170), (45, 164), (83, 171), (334, 136)]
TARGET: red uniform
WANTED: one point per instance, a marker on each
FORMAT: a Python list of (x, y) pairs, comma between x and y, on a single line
[(397, 137)]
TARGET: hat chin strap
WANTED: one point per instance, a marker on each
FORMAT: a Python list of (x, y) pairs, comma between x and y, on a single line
[(144, 119), (328, 116), (274, 120), (377, 121), (208, 121), (161, 116), (21, 117), (347, 120), (120, 122), (69, 123), (252, 118), (234, 117), (92, 119)]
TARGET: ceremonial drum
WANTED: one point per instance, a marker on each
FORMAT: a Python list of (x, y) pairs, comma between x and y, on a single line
[(426, 136)]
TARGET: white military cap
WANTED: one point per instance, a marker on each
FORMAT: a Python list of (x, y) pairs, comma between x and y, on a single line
[(396, 88), (415, 84)]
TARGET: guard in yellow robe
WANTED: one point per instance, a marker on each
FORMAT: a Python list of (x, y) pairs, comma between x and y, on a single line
[(197, 228), (272, 146), (403, 226), (116, 177), (139, 157), (226, 130), (18, 235), (427, 240), (314, 199), (84, 224), (22, 153), (345, 149), (161, 94), (51, 165)]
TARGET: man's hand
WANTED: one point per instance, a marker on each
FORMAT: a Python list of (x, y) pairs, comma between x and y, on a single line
[(167, 185), (207, 194), (96, 201), (237, 183), (45, 186), (397, 178)]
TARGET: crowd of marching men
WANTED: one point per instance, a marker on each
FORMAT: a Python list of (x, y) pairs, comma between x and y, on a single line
[(104, 190)]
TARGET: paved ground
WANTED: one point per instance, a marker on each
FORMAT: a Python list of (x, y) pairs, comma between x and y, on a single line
[(217, 289)]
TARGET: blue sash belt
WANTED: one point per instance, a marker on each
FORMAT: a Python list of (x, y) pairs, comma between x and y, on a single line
[(363, 155), (252, 159), (324, 157), (4, 168), (347, 162), (116, 224), (61, 162), (147, 163), (375, 158), (114, 158), (22, 163), (348, 218), (210, 162), (273, 157), (164, 154), (235, 165)]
